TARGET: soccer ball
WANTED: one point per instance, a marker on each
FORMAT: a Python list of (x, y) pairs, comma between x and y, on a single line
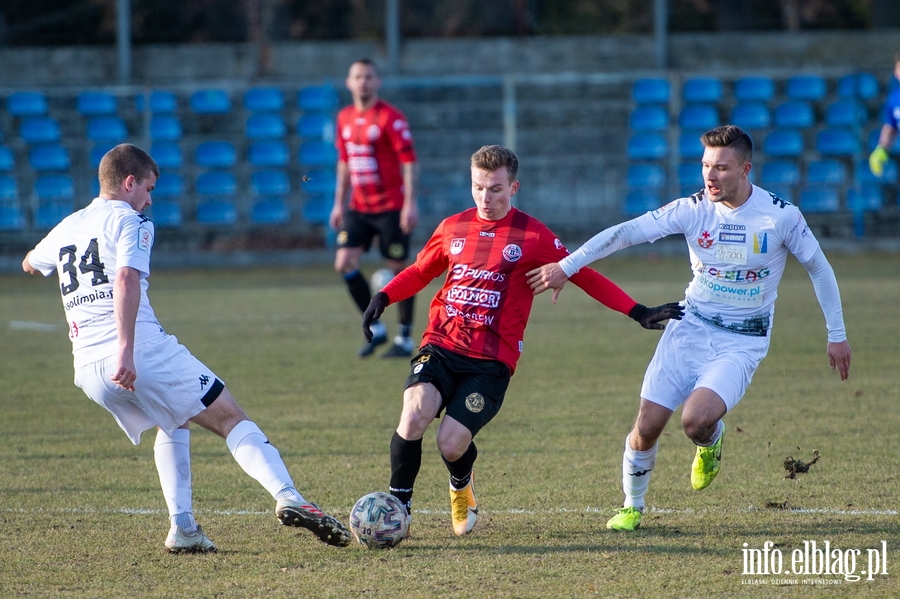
[(379, 521), (381, 277)]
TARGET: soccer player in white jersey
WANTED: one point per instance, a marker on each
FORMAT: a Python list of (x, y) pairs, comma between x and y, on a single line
[(738, 239), (125, 361)]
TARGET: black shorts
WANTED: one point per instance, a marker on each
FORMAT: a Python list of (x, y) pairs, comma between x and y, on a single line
[(360, 228), (472, 390)]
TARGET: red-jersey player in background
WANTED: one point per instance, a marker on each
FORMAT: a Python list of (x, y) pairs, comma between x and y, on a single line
[(377, 165), (476, 325)]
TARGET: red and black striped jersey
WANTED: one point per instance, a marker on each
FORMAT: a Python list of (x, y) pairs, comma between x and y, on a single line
[(483, 307)]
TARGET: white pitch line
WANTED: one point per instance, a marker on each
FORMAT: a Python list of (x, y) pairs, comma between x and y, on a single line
[(31, 325)]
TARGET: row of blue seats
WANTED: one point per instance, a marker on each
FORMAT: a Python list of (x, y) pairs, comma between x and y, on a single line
[(648, 145), (169, 155), (323, 98), (809, 88), (752, 115), (45, 129)]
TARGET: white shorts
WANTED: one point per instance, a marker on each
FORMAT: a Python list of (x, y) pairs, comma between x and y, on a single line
[(172, 387), (692, 354)]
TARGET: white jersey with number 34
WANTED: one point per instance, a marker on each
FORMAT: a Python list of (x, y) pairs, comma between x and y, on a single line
[(87, 264)]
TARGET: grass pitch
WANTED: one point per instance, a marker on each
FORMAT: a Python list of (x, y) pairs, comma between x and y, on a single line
[(81, 513)]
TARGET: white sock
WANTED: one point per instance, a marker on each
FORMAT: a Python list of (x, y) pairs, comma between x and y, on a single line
[(720, 427), (259, 458), (636, 469), (173, 463)]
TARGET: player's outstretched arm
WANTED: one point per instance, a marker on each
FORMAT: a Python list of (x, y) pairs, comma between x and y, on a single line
[(27, 267), (839, 357), (652, 318), (548, 276)]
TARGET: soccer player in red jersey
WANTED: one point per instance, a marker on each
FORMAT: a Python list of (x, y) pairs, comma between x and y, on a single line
[(476, 323), (377, 166)]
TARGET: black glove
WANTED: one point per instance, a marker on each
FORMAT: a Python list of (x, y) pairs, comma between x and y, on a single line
[(376, 308), (651, 318)]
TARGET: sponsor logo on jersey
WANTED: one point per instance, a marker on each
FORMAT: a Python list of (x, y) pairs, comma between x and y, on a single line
[(732, 237), (473, 296), (469, 317), (486, 234), (89, 298), (738, 276), (776, 201), (73, 330), (760, 243), (354, 149), (705, 240), (462, 271), (475, 402), (734, 295), (731, 254), (457, 244), (512, 252), (204, 381), (732, 227), (659, 212), (145, 239)]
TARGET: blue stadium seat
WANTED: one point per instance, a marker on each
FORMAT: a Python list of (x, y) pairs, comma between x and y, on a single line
[(210, 101), (794, 114), (689, 144), (11, 218), (270, 211), (785, 192), (268, 153), (165, 127), (39, 130), (215, 154), (265, 126), (698, 116), (319, 98), (647, 146), (781, 172), (650, 91), (702, 90), (165, 214), (20, 104), (865, 198), (751, 115), (107, 128), (54, 188), (167, 154), (863, 174), (216, 212), (99, 151), (690, 177), (810, 88), (827, 171), (754, 89), (319, 182), (264, 99), (649, 118), (646, 175), (819, 199), (838, 142), (49, 158), (216, 183), (317, 153), (316, 126), (95, 103), (846, 113), (859, 85), (270, 182), (784, 143), (875, 134), (95, 187), (160, 102), (7, 160), (639, 201), (49, 214), (169, 185), (317, 210), (9, 191)]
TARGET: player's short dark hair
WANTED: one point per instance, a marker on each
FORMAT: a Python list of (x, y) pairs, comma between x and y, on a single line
[(367, 62), (491, 158), (729, 136), (124, 160)]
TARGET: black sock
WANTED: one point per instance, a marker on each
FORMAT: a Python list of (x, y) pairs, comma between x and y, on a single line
[(405, 310), (461, 469), (406, 459), (359, 289)]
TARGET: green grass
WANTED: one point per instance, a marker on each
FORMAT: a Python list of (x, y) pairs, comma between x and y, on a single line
[(81, 513)]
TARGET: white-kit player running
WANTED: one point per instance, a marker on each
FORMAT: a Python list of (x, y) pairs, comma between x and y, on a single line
[(126, 362), (738, 238)]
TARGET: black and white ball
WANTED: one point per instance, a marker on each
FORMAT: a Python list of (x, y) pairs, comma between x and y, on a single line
[(379, 520)]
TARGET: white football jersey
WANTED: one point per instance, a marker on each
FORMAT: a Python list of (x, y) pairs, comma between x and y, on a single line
[(737, 256), (85, 250)]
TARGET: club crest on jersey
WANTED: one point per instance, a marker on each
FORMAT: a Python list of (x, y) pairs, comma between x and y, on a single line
[(558, 244), (475, 402), (373, 132), (705, 240), (457, 244), (512, 252)]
